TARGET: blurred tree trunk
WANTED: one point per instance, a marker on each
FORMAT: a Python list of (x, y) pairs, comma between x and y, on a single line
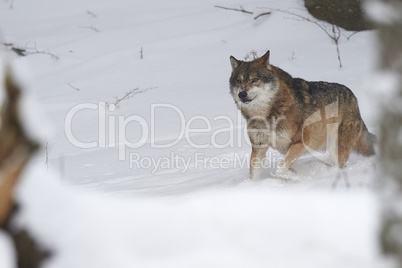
[(389, 23)]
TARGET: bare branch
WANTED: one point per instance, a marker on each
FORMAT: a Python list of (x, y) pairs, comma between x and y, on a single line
[(349, 36), (334, 33), (291, 58), (45, 52), (241, 9), (235, 9), (128, 95), (19, 51), (304, 19), (29, 50), (263, 14), (91, 28)]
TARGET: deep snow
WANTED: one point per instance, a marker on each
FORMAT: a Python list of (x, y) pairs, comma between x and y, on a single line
[(196, 206)]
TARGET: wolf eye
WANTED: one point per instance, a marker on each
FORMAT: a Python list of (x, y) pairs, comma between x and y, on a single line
[(255, 80), (238, 81)]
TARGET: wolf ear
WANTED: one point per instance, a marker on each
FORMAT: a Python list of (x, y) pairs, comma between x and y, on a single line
[(265, 58), (234, 62)]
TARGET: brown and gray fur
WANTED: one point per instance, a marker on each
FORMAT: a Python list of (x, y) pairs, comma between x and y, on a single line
[(282, 111)]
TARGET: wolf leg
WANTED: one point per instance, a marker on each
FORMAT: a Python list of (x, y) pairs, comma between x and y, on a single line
[(283, 170), (347, 136), (294, 152), (257, 161)]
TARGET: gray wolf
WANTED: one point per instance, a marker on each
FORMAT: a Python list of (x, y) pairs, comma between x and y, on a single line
[(285, 113)]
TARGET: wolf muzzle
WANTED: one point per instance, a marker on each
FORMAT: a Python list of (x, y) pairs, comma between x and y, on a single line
[(243, 95)]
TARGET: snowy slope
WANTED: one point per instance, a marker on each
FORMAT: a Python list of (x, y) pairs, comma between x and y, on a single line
[(185, 48), (177, 54), (247, 227)]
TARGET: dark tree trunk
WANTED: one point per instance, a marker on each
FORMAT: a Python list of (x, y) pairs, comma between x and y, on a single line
[(390, 140), (347, 14)]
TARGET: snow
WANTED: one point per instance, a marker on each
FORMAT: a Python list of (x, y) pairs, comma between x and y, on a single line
[(129, 199), (382, 12), (2, 73), (7, 254), (242, 227)]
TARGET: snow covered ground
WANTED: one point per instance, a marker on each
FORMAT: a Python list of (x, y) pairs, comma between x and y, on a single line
[(158, 179)]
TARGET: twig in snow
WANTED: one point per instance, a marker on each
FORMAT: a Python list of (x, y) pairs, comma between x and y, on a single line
[(19, 51), (291, 58), (262, 14), (11, 6), (241, 9), (235, 9), (141, 53), (128, 95), (91, 28), (45, 52), (29, 50), (47, 152), (34, 50), (336, 34), (251, 55), (73, 87), (90, 13), (7, 44)]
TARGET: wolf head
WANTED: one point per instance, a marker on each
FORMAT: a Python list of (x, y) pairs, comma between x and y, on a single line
[(253, 83)]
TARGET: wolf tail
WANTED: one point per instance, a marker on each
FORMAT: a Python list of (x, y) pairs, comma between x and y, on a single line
[(365, 143)]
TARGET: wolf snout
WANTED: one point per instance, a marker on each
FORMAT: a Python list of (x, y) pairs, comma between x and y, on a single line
[(242, 95)]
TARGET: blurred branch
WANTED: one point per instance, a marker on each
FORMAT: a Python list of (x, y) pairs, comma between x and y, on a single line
[(11, 6), (92, 14)]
